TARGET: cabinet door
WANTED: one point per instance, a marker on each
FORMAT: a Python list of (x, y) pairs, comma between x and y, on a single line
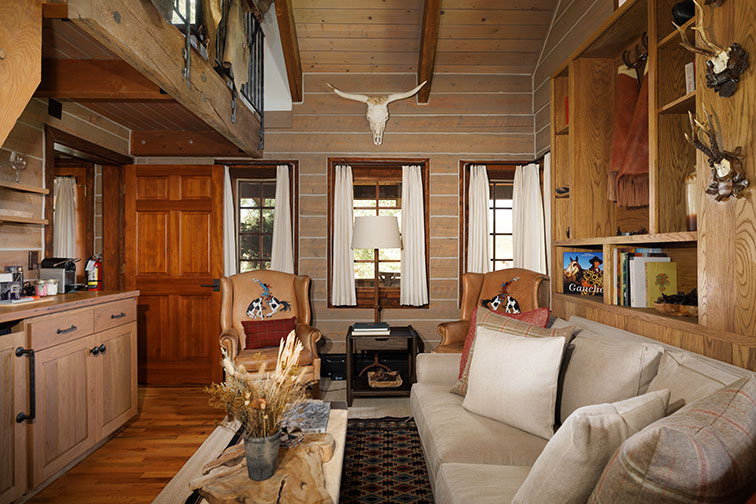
[(116, 390), (64, 428), (14, 372)]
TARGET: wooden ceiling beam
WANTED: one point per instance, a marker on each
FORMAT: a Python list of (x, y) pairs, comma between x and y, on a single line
[(54, 10), (135, 32), (428, 43), (288, 31), (112, 80), (182, 144)]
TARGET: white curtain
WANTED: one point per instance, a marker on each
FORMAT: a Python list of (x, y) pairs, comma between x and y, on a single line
[(547, 206), (528, 231), (230, 265), (477, 222), (64, 217), (413, 288), (342, 280), (282, 252)]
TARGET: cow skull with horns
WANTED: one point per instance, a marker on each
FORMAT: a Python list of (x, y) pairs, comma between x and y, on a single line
[(377, 108)]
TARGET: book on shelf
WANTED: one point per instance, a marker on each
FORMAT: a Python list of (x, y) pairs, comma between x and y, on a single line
[(623, 286), (690, 77), (638, 279), (661, 278), (583, 273), (375, 332)]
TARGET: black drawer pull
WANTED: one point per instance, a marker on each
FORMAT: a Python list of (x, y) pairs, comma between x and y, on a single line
[(103, 348), (94, 350), (114, 316), (32, 386), (70, 329)]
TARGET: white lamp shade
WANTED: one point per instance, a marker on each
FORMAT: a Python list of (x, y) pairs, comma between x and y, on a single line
[(376, 232)]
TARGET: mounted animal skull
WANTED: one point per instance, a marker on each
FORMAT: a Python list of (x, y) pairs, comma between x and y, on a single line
[(723, 64), (727, 176), (377, 108)]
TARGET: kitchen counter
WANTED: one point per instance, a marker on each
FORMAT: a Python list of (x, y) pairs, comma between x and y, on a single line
[(61, 302)]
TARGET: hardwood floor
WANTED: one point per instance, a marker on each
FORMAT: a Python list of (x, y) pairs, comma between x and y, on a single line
[(140, 460)]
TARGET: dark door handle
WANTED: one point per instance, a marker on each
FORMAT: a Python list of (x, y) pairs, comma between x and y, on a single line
[(20, 351), (70, 329), (215, 285), (114, 316)]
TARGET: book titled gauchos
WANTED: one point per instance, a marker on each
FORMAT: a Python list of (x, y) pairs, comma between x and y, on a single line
[(583, 273)]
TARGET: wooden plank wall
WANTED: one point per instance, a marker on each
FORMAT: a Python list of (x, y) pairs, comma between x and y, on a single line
[(27, 137), (573, 22), (468, 117)]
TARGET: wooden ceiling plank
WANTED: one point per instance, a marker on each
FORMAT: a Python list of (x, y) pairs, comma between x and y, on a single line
[(357, 31), (54, 10), (288, 32), (136, 33), (181, 143), (95, 80), (368, 16), (428, 43)]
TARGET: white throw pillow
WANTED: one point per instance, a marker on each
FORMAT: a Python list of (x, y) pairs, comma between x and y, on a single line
[(605, 370), (513, 379), (570, 466)]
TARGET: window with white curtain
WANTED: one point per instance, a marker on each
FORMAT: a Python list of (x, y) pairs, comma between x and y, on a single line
[(254, 187), (377, 190)]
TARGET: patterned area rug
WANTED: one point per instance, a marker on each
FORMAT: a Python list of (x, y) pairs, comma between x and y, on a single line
[(383, 463)]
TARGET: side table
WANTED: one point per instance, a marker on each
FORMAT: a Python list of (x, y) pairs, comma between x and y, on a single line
[(357, 386)]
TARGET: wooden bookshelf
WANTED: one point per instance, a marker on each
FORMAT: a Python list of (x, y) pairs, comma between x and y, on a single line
[(23, 187), (674, 36), (681, 105), (641, 239), (22, 220)]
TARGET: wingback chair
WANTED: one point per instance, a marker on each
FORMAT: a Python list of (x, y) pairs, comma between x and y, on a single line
[(260, 293), (486, 289)]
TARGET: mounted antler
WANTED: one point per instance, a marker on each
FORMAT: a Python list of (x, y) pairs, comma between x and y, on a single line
[(377, 108), (723, 64), (727, 176)]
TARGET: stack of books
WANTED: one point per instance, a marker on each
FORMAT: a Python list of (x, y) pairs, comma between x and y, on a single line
[(642, 275), (371, 329)]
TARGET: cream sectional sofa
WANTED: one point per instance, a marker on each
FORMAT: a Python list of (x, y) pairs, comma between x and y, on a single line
[(473, 459)]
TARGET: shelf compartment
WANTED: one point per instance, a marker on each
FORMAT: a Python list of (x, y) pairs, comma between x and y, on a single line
[(681, 105), (680, 237), (22, 220), (23, 187), (671, 37)]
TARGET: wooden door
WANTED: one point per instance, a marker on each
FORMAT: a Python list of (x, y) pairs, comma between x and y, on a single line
[(174, 254), (64, 428), (116, 384), (14, 372)]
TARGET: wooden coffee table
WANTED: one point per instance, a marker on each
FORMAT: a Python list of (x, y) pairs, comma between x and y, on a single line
[(177, 490)]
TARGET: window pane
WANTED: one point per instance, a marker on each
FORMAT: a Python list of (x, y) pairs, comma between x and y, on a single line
[(364, 271), (361, 212), (247, 266), (249, 220), (249, 246), (390, 211), (499, 265), (502, 193), (249, 194), (363, 254), (503, 247), (267, 245), (267, 216), (390, 254), (265, 265), (364, 195), (269, 194), (503, 221), (389, 276), (390, 195)]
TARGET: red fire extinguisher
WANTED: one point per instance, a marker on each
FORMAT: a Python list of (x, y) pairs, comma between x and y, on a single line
[(94, 273)]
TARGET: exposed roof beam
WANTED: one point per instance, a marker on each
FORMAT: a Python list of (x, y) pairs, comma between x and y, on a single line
[(135, 32), (112, 80), (428, 42), (182, 143), (54, 10), (288, 30)]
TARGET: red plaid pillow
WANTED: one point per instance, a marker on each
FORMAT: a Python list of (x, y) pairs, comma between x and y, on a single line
[(267, 333), (538, 317)]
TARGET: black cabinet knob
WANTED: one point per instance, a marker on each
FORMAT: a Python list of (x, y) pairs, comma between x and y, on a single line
[(103, 348), (94, 350)]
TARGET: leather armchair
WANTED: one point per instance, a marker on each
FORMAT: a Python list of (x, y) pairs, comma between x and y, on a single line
[(239, 291), (478, 288)]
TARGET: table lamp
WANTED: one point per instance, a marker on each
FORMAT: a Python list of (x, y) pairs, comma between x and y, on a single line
[(376, 232)]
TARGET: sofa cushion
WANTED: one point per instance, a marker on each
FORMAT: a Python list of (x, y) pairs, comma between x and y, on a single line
[(538, 317), (689, 377), (513, 379), (706, 452), (452, 434), (570, 465), (493, 320), (602, 370), (478, 483)]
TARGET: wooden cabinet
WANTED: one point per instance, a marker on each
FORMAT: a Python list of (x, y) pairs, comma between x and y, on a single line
[(85, 388), (13, 400)]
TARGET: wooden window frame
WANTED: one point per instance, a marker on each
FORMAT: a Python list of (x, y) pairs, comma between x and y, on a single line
[(368, 169), (266, 170), (497, 170)]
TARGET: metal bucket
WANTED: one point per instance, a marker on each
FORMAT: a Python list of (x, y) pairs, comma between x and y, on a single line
[(262, 455)]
